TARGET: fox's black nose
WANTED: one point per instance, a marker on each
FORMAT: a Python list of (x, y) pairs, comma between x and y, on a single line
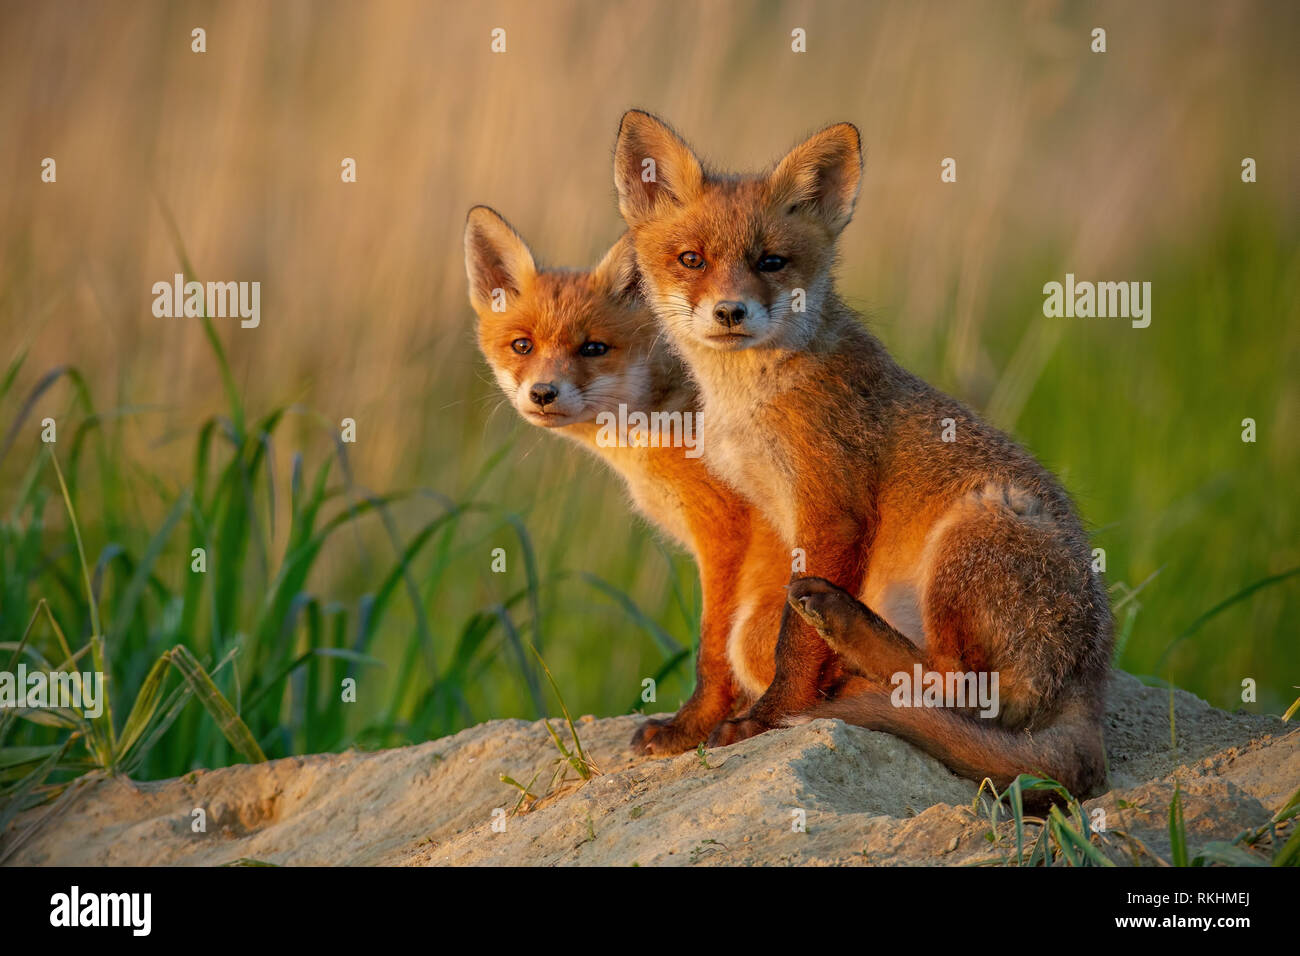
[(729, 313), (543, 393)]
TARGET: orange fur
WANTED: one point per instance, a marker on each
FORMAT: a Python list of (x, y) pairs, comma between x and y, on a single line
[(962, 555), (559, 314)]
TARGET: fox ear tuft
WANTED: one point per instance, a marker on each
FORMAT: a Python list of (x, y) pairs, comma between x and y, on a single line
[(495, 258), (653, 168), (822, 174), (618, 273)]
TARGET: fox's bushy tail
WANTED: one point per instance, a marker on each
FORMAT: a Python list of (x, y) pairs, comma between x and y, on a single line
[(1068, 749)]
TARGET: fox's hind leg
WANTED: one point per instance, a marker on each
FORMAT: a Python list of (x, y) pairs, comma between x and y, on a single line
[(866, 643), (801, 666), (1010, 590)]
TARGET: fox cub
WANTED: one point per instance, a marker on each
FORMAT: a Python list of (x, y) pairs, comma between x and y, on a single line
[(566, 346), (933, 541)]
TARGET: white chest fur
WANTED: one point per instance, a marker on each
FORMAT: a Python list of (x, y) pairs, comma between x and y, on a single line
[(745, 453)]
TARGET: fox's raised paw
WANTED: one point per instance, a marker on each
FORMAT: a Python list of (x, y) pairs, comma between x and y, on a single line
[(664, 737), (827, 608)]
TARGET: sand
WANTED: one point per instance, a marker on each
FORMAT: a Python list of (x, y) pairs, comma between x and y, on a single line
[(820, 794)]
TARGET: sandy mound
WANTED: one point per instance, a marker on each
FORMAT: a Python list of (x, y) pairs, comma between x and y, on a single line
[(866, 798)]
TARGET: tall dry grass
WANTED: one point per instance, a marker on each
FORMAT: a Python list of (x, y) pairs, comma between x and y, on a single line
[(1123, 165)]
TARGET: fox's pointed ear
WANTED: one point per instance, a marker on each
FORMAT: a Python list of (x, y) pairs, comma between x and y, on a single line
[(822, 174), (653, 168), (618, 273), (497, 261)]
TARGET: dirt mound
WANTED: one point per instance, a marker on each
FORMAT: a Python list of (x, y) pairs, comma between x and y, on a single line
[(862, 797)]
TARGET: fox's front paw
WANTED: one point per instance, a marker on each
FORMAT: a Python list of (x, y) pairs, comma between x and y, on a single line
[(663, 737), (735, 730), (827, 608)]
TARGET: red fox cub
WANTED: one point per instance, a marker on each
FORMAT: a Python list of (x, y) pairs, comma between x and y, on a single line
[(567, 346), (937, 548)]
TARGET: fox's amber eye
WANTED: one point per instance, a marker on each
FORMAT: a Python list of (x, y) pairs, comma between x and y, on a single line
[(691, 260), (522, 346), (592, 349), (772, 263)]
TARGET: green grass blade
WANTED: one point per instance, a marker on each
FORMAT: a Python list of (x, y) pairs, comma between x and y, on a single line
[(516, 644), (660, 675), (647, 623), (341, 652), (146, 703), (1289, 855), (232, 727), (1222, 606), (227, 376), (1228, 854), (103, 724), (531, 576), (16, 800), (1018, 816), (42, 386), (1177, 829), (577, 741), (144, 567)]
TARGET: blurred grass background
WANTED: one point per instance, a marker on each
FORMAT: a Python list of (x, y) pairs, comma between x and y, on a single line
[(1116, 166)]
